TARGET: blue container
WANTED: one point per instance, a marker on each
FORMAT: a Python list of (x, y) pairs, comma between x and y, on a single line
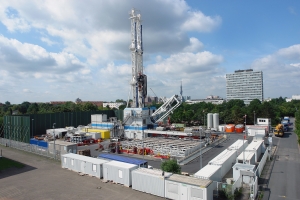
[(135, 161), (40, 143)]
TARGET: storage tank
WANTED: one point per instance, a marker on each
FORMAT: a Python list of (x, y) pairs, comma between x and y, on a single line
[(239, 128), (229, 128), (216, 121), (209, 120)]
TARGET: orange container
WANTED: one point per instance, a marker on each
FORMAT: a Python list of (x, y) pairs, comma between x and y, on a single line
[(229, 128), (239, 128)]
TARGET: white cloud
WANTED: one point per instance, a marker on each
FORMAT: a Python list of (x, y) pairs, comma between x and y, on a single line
[(278, 71), (48, 41), (195, 45), (27, 91), (82, 50), (197, 21)]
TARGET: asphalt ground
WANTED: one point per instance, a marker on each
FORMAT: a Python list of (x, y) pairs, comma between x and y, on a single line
[(43, 178)]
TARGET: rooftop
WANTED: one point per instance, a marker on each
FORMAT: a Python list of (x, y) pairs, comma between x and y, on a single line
[(204, 183)]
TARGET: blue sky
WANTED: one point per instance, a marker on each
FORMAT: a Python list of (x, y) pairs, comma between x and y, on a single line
[(62, 50)]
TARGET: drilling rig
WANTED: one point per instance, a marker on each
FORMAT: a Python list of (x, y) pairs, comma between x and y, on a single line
[(138, 118)]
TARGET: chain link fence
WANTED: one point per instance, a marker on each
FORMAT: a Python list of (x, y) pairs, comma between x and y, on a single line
[(31, 148)]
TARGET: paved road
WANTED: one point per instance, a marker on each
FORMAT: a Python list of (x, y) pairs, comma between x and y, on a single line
[(285, 180), (43, 178)]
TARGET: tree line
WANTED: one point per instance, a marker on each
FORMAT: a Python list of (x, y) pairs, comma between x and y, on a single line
[(232, 111)]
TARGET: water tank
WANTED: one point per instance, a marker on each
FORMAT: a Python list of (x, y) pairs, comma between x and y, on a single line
[(216, 121), (209, 120)]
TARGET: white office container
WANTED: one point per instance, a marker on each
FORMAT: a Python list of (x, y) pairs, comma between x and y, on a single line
[(84, 164), (118, 172), (210, 172), (248, 156), (239, 145), (225, 159), (249, 169), (187, 187), (256, 147), (98, 118), (150, 181)]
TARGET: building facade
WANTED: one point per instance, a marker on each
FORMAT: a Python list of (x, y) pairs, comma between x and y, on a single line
[(245, 85)]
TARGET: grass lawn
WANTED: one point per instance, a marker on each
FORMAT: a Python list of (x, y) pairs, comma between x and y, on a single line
[(6, 163)]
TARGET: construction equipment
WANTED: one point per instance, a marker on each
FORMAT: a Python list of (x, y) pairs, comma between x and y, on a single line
[(279, 132)]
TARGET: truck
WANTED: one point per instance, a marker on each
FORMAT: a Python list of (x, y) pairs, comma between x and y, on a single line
[(279, 130)]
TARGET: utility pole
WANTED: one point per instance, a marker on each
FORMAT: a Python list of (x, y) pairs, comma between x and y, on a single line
[(244, 140), (54, 141)]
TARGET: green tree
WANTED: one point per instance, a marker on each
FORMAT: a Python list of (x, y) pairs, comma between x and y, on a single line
[(33, 108), (171, 166)]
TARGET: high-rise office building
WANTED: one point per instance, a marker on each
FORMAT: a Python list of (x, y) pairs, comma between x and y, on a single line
[(245, 85)]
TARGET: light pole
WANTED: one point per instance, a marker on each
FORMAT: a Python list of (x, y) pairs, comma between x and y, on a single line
[(54, 141), (254, 117), (143, 146), (244, 140), (32, 127), (200, 149), (9, 133)]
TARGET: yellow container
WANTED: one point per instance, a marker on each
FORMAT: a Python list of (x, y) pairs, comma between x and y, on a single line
[(105, 134)]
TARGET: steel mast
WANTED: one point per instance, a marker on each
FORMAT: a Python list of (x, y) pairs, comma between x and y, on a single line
[(139, 79)]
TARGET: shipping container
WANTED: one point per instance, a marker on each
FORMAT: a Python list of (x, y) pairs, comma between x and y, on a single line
[(150, 181), (118, 172), (187, 187), (210, 172), (40, 143), (248, 156), (239, 145), (225, 159), (62, 146), (255, 147), (104, 134), (135, 161), (229, 128)]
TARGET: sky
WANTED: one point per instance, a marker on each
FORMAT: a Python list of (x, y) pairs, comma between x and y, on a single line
[(63, 50)]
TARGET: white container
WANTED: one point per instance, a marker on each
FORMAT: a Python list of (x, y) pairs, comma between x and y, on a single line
[(238, 167), (187, 187), (210, 172), (249, 158), (118, 172), (150, 181), (62, 146), (225, 159), (84, 164), (239, 145), (256, 147)]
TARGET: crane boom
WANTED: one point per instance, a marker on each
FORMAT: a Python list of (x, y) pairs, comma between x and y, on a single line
[(168, 107)]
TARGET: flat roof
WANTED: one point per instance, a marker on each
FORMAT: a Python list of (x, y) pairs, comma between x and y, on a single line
[(243, 166), (248, 155), (85, 158), (154, 172), (120, 164), (222, 157), (62, 143), (122, 159), (239, 143), (190, 180), (207, 171), (254, 145)]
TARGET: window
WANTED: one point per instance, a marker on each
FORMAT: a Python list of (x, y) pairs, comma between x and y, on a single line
[(173, 188), (72, 162), (120, 174), (65, 160), (198, 193), (94, 168)]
